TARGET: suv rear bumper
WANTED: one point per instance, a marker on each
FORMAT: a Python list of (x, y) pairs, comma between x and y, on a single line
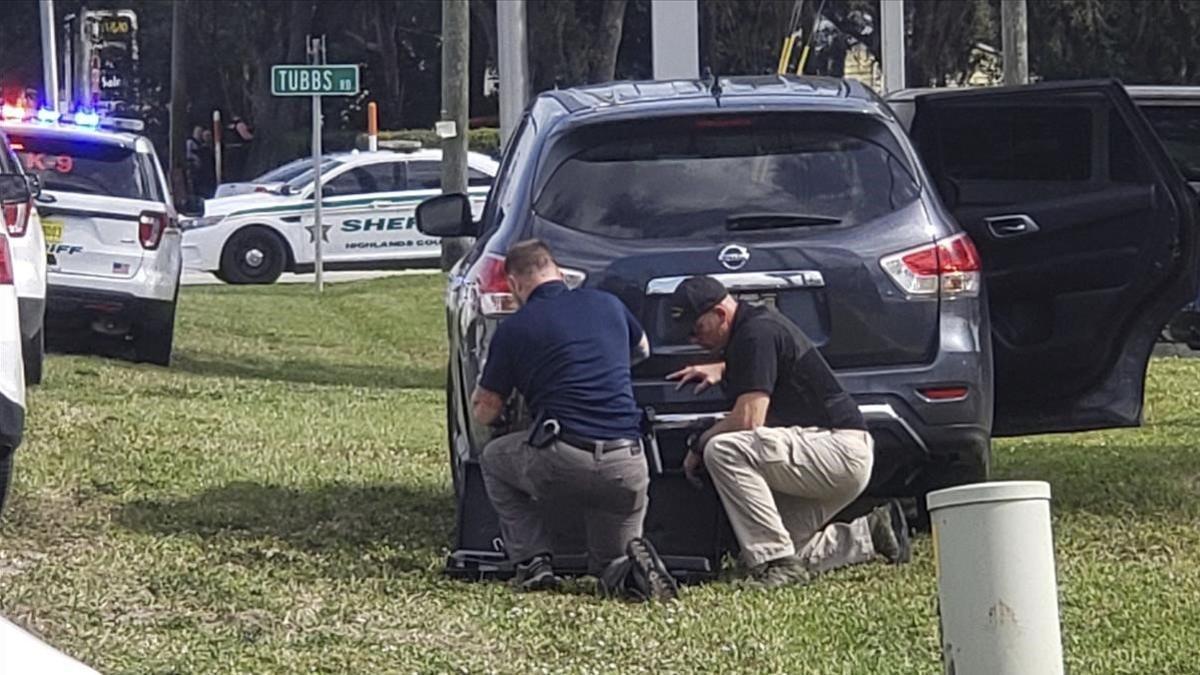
[(12, 424), (73, 307)]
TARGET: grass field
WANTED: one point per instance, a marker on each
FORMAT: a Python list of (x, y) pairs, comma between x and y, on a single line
[(278, 501)]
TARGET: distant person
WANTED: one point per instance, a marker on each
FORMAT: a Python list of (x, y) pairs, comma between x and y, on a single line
[(238, 146), (569, 354), (191, 152), (206, 172)]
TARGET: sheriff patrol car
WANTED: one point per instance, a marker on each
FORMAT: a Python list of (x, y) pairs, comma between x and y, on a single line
[(12, 377), (28, 247), (112, 242), (368, 214)]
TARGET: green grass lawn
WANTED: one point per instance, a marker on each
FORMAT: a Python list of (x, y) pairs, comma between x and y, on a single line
[(278, 501)]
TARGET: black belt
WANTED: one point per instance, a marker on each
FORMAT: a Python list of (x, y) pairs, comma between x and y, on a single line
[(593, 445)]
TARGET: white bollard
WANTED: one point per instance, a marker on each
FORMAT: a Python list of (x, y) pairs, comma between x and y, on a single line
[(997, 593)]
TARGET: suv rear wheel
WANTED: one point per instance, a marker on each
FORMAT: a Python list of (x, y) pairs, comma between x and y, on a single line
[(253, 255), (6, 464), (155, 337), (33, 353)]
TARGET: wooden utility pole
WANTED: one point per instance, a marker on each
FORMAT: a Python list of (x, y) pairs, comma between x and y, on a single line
[(456, 47), (1014, 36), (178, 116)]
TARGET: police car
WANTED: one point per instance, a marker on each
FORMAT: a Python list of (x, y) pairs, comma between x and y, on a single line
[(12, 377), (112, 242), (28, 247), (368, 214)]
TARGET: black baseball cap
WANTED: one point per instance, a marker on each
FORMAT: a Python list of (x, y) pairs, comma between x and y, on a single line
[(695, 296)]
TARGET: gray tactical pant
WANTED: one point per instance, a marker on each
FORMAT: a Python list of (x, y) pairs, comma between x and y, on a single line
[(781, 487), (522, 481)]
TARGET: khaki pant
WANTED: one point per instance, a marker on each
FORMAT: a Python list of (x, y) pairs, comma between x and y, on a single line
[(609, 488), (781, 487)]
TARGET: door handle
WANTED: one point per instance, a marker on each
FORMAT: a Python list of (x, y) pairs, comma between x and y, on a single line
[(382, 204), (1013, 225)]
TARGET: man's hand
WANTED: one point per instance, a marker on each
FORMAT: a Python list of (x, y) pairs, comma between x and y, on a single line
[(704, 375), (693, 464), (486, 405)]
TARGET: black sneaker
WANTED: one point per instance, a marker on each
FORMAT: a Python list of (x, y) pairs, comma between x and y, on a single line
[(786, 571), (648, 575), (536, 575), (889, 533)]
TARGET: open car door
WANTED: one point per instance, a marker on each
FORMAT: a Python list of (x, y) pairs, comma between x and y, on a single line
[(1088, 238)]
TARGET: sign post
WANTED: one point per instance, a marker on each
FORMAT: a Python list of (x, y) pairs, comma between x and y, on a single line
[(315, 80)]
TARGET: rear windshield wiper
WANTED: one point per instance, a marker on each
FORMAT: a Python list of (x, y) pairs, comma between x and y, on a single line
[(768, 220)]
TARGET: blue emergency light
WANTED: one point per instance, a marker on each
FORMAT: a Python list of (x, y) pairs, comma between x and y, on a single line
[(88, 119)]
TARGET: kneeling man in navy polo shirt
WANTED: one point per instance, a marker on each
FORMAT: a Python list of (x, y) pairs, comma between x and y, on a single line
[(568, 352)]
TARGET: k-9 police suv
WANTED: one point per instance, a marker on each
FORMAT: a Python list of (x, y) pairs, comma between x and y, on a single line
[(12, 377), (368, 213), (28, 248), (112, 243)]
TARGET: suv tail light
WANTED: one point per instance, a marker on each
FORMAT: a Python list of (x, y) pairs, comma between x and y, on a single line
[(6, 268), (495, 297), (16, 217), (151, 226), (949, 265)]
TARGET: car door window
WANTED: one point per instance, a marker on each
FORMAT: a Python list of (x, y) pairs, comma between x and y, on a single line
[(477, 178), (350, 182), (424, 175)]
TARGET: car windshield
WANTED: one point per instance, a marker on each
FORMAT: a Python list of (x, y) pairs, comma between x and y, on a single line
[(1179, 129), (699, 176), (302, 179), (89, 167), (281, 174)]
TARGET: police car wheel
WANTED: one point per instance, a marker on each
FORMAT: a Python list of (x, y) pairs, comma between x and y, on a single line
[(253, 255), (34, 354), (6, 469), (155, 338)]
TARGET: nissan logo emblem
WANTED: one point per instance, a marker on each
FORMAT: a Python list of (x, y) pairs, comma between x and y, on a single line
[(734, 257)]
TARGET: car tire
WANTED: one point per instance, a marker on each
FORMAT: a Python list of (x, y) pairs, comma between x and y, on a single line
[(6, 471), (33, 353), (253, 255), (155, 338)]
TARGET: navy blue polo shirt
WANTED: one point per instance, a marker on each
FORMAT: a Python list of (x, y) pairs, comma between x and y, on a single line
[(568, 353)]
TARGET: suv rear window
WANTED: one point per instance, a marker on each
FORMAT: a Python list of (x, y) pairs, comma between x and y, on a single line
[(71, 165), (698, 175)]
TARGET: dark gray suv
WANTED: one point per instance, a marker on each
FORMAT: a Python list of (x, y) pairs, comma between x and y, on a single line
[(987, 262)]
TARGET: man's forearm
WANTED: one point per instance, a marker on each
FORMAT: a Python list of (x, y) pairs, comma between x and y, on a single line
[(724, 425)]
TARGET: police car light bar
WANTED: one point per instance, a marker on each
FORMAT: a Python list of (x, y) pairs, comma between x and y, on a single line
[(81, 118)]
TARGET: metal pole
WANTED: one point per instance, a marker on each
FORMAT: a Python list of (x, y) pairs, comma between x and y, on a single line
[(892, 46), (316, 54), (49, 55), (178, 121), (1014, 37), (455, 91), (675, 39), (512, 52), (372, 126), (216, 122)]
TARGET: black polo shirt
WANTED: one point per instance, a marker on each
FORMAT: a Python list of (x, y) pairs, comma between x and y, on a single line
[(568, 353), (768, 353)]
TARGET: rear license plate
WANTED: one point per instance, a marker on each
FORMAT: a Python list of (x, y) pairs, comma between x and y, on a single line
[(53, 229)]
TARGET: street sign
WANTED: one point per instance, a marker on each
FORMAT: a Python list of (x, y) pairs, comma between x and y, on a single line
[(321, 80)]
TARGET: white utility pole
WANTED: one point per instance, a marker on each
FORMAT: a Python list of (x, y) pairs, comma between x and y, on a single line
[(675, 39), (49, 55), (512, 52), (892, 38), (1014, 38)]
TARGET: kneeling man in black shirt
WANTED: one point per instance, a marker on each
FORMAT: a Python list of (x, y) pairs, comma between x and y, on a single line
[(792, 453)]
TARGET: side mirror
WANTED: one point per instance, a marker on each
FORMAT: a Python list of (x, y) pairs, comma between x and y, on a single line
[(192, 207), (446, 216), (14, 187)]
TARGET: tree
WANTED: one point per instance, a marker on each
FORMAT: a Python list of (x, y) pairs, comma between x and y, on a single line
[(574, 42)]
